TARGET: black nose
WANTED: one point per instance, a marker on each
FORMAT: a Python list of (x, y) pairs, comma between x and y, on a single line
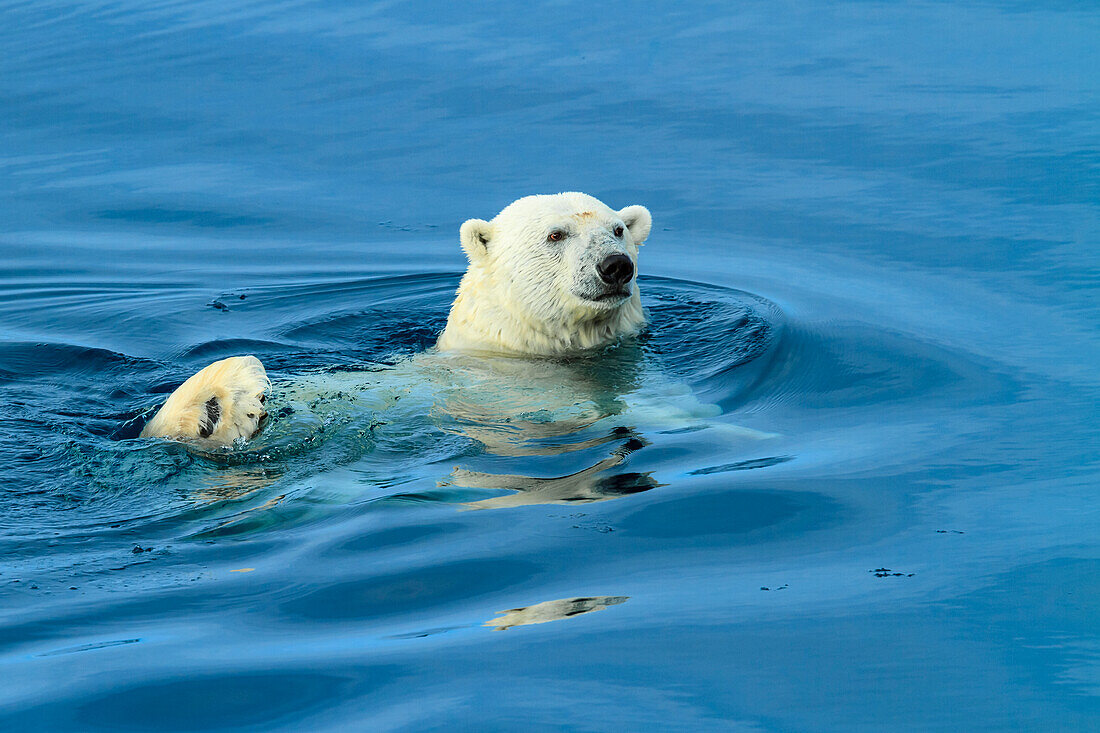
[(616, 269)]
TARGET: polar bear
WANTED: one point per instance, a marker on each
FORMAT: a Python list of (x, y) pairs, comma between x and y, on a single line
[(547, 276)]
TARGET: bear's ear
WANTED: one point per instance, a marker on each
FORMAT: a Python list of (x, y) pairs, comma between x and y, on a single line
[(475, 235), (638, 221)]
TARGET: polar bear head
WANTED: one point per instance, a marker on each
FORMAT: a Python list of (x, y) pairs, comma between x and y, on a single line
[(549, 275)]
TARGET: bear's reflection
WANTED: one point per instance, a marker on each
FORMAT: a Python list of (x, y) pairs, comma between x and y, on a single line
[(562, 608), (510, 403), (521, 407), (234, 483), (591, 484)]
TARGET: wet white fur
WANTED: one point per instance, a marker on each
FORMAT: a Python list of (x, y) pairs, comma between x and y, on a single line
[(519, 294), (237, 383)]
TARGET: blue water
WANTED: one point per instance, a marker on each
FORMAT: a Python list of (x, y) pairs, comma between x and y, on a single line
[(876, 236)]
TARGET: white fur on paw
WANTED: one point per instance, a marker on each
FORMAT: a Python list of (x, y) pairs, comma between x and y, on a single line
[(216, 406)]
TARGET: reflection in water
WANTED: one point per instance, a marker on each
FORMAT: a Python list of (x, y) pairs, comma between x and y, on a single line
[(591, 484), (235, 483), (516, 407), (540, 613)]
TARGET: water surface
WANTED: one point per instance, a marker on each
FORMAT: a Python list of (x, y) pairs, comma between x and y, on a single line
[(874, 251)]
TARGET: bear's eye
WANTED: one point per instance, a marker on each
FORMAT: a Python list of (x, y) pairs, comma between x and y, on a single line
[(556, 236), (619, 231)]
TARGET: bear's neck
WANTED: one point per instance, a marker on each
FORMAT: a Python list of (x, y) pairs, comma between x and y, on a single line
[(479, 322)]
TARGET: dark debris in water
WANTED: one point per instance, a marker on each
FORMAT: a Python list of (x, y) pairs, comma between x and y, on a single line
[(601, 527), (595, 525), (389, 224), (782, 587), (888, 573), (218, 305)]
